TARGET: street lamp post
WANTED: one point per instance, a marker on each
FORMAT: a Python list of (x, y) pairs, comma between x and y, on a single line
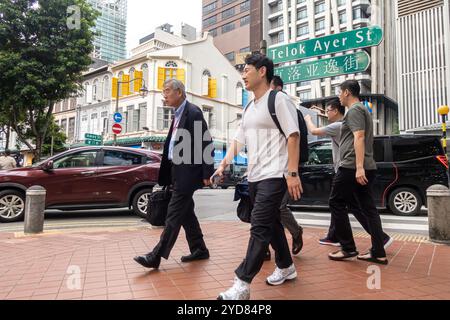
[(142, 92)]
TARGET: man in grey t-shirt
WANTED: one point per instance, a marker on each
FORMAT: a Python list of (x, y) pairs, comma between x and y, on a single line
[(355, 178), (335, 113)]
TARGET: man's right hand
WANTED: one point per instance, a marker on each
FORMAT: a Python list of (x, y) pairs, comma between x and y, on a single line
[(308, 117), (219, 173)]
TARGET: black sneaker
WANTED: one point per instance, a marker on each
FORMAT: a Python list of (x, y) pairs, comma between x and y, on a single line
[(328, 242), (297, 243)]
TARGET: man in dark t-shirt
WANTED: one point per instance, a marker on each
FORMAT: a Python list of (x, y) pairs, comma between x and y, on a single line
[(355, 178)]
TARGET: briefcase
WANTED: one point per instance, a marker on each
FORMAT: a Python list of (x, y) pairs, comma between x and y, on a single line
[(158, 205)]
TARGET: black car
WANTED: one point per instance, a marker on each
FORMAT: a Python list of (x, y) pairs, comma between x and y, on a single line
[(407, 166)]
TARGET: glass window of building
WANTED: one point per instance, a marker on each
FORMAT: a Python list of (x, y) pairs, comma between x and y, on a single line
[(210, 21), (302, 13), (210, 8), (245, 6), (302, 30), (228, 27), (320, 24), (342, 17), (319, 7), (230, 56), (245, 21), (228, 13)]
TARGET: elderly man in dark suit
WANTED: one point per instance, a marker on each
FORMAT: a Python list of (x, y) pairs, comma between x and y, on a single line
[(187, 164)]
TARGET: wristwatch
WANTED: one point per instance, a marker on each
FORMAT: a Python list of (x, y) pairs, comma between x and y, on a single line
[(293, 174)]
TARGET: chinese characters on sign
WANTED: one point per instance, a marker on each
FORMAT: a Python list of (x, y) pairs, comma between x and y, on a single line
[(324, 68)]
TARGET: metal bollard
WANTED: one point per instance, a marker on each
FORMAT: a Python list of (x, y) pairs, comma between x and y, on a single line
[(439, 213), (34, 210)]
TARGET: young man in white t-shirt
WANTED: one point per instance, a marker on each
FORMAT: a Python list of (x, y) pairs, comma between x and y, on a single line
[(273, 168)]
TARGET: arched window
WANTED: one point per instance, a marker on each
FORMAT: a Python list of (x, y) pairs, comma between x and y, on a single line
[(205, 82), (171, 64), (131, 80), (145, 74), (239, 90), (106, 88), (86, 92), (95, 90), (120, 76)]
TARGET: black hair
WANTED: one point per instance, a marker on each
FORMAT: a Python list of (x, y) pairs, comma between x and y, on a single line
[(335, 104), (277, 81), (7, 152), (258, 60), (352, 86)]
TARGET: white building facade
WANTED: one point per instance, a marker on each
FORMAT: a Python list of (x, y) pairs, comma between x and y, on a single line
[(423, 62), (211, 83)]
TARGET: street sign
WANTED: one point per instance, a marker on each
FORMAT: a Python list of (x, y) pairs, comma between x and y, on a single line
[(93, 143), (325, 68), (95, 137), (339, 42), (118, 117), (117, 129)]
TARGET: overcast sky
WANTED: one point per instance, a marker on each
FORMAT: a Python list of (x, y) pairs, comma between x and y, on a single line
[(145, 15)]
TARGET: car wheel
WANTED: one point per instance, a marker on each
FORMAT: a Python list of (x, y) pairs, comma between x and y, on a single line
[(405, 202), (141, 202), (12, 206)]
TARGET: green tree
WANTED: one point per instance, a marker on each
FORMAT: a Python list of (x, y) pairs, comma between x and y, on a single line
[(44, 48)]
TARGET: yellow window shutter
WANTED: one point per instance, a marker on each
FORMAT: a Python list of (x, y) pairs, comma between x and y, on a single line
[(212, 88), (114, 87), (126, 85), (181, 75), (138, 75), (161, 77)]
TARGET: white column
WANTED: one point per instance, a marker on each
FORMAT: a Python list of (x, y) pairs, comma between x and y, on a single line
[(447, 45)]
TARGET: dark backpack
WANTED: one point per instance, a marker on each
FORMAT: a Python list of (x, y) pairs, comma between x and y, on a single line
[(304, 150)]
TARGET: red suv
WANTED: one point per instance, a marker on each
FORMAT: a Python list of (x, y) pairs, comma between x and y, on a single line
[(84, 178)]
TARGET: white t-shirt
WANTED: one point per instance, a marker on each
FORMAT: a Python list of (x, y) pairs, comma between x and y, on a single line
[(266, 146)]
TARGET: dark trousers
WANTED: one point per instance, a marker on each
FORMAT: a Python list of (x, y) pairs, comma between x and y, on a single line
[(266, 228), (354, 208), (180, 213), (345, 189)]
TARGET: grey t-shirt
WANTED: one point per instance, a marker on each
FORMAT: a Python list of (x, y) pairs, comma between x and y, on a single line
[(357, 118), (333, 131)]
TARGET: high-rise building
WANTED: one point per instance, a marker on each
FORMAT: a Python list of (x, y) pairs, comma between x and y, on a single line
[(290, 21), (423, 61), (233, 23), (110, 45)]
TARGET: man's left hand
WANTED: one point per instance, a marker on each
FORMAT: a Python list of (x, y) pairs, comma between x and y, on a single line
[(206, 182), (295, 187)]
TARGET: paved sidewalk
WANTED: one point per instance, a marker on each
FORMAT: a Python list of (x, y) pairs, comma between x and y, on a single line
[(37, 268)]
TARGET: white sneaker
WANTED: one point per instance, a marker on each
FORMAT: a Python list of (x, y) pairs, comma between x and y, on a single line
[(281, 275), (388, 243), (239, 291)]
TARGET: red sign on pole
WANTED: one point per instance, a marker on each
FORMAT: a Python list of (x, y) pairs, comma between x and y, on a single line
[(117, 129)]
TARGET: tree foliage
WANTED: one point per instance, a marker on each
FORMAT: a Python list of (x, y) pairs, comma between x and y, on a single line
[(44, 48)]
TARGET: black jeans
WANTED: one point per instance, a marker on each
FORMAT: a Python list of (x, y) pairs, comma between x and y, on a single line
[(344, 190), (266, 228), (354, 208), (180, 213)]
